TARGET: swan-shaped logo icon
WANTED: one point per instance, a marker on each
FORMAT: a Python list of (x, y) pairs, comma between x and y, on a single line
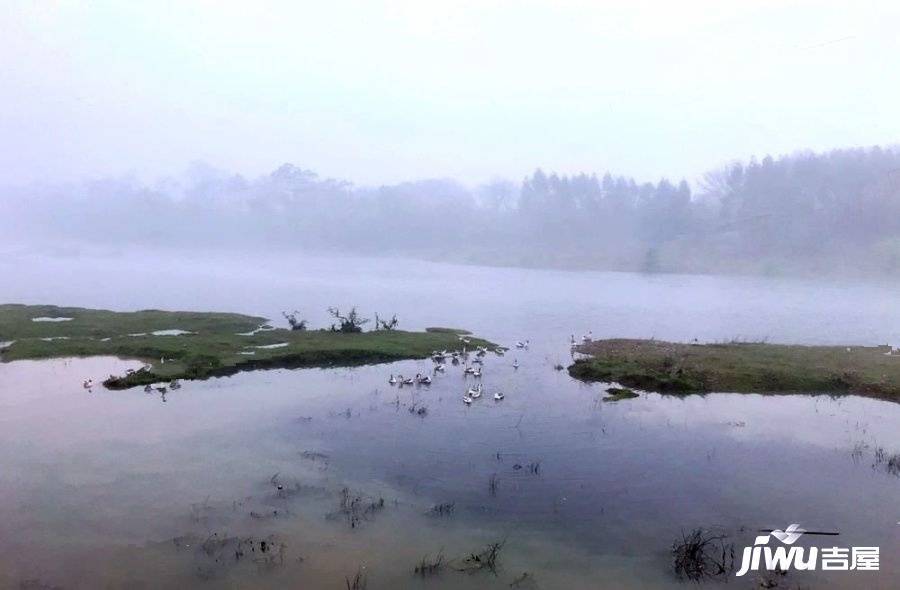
[(789, 535)]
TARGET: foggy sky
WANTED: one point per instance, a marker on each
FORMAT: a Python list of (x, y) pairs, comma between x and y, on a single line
[(381, 91)]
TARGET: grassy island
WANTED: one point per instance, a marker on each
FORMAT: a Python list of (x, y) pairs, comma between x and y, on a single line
[(197, 345), (670, 367)]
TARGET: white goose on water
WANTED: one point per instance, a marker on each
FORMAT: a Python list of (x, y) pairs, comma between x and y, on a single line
[(88, 383), (439, 369), (588, 337), (467, 400), (424, 380), (498, 396), (515, 363), (406, 381), (468, 371), (392, 380), (476, 373), (474, 392), (521, 344)]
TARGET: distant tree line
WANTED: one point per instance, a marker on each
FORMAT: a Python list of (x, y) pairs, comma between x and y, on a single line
[(800, 213)]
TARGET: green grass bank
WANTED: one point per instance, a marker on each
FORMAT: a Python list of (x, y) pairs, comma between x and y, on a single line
[(198, 345), (678, 368)]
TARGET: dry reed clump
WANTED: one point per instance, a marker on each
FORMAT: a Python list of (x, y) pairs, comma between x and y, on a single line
[(701, 555)]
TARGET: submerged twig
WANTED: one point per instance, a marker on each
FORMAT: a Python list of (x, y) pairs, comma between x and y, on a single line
[(484, 560), (357, 582), (430, 567), (701, 555)]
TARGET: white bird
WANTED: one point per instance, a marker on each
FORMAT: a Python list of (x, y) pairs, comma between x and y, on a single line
[(467, 400), (474, 392), (498, 396), (476, 373), (424, 380), (521, 344), (392, 380), (468, 370), (588, 337), (515, 363), (407, 381), (439, 368), (88, 384)]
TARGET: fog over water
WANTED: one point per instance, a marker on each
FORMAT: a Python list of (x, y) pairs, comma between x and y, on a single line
[(697, 137), (830, 214), (106, 487)]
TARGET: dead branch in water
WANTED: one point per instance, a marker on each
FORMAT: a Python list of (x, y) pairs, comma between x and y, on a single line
[(484, 560), (890, 463), (702, 555), (355, 508), (492, 485), (430, 567), (358, 582), (445, 509)]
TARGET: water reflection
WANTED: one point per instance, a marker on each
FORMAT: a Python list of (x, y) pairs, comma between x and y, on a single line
[(132, 489), (118, 488)]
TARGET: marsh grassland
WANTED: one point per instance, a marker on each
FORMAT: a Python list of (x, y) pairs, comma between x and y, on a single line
[(670, 367), (198, 345)]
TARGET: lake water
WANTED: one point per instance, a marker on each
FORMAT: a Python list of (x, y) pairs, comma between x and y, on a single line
[(122, 489)]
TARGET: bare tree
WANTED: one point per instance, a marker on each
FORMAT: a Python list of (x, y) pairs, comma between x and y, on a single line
[(293, 319), (350, 323)]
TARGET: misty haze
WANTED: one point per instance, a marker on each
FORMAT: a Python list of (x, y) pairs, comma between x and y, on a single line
[(805, 214), (481, 294)]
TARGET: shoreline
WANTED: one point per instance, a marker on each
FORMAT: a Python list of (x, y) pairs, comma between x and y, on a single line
[(683, 369), (199, 345)]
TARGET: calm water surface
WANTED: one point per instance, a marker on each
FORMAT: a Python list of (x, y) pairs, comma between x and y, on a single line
[(130, 490)]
